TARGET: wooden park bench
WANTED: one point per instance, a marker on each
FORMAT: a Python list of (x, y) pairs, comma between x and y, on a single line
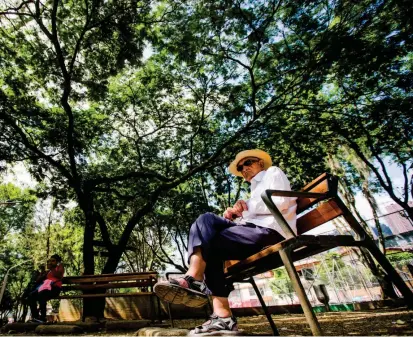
[(317, 203), (89, 283)]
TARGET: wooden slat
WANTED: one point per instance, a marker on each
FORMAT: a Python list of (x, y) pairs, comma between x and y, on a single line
[(318, 185), (109, 275), (310, 186), (263, 253), (107, 278), (143, 283), (269, 262), (325, 212), (306, 245), (104, 295), (230, 263)]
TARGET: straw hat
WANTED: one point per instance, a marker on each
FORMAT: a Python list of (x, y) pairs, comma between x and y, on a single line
[(249, 153)]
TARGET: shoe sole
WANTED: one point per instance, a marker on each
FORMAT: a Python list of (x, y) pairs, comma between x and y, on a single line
[(218, 333), (178, 295)]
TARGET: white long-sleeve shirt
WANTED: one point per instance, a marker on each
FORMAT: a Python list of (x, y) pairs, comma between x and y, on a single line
[(273, 178)]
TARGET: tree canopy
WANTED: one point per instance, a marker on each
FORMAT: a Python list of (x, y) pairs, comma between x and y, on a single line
[(134, 108)]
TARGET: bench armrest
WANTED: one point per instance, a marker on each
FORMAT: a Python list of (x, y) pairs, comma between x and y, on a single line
[(297, 194), (266, 197)]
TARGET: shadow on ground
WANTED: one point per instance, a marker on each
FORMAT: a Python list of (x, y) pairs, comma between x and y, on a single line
[(383, 322), (368, 323)]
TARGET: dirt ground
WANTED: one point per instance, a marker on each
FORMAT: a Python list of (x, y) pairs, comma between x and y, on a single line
[(391, 322), (383, 322)]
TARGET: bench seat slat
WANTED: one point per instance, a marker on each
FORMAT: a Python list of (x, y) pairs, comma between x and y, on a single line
[(258, 256), (104, 295), (143, 283), (107, 278), (111, 275), (269, 263), (268, 259)]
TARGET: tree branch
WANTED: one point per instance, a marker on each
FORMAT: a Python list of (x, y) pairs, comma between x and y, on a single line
[(137, 174)]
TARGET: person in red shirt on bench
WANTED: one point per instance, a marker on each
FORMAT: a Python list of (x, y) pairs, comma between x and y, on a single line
[(49, 288)]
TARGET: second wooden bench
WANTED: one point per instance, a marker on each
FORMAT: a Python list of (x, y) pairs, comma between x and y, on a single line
[(86, 284)]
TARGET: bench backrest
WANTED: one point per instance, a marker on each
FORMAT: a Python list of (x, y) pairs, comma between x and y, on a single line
[(109, 281), (109, 277), (325, 211)]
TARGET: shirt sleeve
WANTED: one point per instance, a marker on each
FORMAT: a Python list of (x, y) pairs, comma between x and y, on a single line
[(275, 179)]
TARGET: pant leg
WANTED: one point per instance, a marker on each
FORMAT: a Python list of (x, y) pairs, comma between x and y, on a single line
[(45, 296), (32, 301), (204, 230), (235, 243)]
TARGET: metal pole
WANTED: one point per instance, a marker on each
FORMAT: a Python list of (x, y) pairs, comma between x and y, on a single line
[(264, 307), (299, 290), (3, 288)]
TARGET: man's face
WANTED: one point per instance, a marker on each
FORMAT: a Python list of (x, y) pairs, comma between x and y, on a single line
[(250, 167)]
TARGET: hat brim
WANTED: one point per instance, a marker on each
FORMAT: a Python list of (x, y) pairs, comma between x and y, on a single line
[(264, 156)]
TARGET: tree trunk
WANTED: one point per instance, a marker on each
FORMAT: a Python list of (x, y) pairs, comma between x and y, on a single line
[(409, 211), (90, 309), (385, 283), (373, 205), (384, 178)]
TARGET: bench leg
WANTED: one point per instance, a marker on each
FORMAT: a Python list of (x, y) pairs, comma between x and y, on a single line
[(159, 309), (170, 314), (394, 275), (264, 307), (152, 304), (299, 289)]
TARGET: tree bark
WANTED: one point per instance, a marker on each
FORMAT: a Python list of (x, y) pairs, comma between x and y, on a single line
[(385, 283), (373, 205), (92, 307)]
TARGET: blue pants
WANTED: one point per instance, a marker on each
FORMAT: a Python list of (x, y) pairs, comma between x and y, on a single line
[(221, 240)]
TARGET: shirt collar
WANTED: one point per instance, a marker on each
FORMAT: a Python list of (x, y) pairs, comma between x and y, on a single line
[(258, 177)]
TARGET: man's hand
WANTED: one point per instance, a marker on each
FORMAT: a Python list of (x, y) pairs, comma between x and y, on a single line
[(230, 214), (236, 211), (240, 206)]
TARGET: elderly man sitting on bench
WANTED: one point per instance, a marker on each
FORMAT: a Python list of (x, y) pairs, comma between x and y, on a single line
[(245, 229)]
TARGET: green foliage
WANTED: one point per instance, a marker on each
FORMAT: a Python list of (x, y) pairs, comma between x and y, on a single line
[(28, 231), (400, 258), (15, 217), (16, 210), (281, 284), (124, 135)]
